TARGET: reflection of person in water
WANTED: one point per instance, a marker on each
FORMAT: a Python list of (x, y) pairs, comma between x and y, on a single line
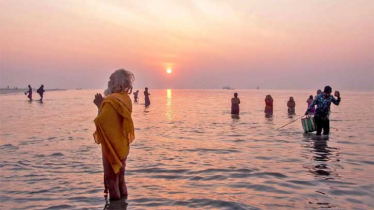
[(321, 155), (324, 159), (41, 92), (146, 97), (118, 204), (136, 93), (29, 92)]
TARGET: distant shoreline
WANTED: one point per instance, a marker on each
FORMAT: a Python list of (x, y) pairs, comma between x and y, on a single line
[(14, 91)]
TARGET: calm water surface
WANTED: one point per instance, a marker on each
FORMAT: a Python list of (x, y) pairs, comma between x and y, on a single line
[(189, 153)]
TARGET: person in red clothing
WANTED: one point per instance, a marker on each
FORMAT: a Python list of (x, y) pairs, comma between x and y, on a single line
[(235, 104), (269, 105)]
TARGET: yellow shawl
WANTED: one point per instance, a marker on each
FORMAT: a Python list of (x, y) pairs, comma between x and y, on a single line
[(114, 128)]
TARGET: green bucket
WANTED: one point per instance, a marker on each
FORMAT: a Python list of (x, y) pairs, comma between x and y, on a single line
[(308, 124)]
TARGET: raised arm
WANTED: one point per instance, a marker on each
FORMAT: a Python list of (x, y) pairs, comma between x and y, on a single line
[(336, 101)]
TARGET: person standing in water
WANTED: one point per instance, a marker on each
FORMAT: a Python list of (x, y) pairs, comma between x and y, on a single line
[(310, 101), (41, 92), (115, 131), (29, 92), (321, 116), (136, 93), (319, 91), (291, 106), (235, 104), (269, 105), (146, 97)]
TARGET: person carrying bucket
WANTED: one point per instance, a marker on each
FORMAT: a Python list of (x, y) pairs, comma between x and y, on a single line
[(321, 115)]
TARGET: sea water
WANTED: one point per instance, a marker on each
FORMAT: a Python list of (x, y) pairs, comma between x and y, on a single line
[(189, 152)]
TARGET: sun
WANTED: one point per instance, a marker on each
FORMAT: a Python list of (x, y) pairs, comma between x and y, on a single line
[(169, 71)]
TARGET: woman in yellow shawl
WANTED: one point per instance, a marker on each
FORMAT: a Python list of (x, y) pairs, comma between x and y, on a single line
[(115, 130)]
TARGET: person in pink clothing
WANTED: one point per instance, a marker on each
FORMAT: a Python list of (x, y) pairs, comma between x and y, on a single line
[(310, 101)]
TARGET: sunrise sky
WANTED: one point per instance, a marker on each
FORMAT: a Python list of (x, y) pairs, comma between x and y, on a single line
[(207, 44)]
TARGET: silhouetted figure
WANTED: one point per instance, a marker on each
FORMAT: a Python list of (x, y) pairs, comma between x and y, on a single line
[(136, 93), (321, 115), (235, 104), (41, 92), (291, 104), (310, 101), (146, 97), (269, 105), (29, 92)]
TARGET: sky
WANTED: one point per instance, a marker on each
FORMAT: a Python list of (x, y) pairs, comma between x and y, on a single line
[(273, 44)]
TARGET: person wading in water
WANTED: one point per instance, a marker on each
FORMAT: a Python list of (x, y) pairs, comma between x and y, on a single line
[(321, 115)]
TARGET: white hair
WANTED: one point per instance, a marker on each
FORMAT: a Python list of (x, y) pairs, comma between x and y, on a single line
[(121, 81)]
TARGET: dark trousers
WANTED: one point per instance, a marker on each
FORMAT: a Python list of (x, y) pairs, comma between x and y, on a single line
[(322, 124)]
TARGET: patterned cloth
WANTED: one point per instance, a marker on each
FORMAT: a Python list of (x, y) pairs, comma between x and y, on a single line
[(323, 105)]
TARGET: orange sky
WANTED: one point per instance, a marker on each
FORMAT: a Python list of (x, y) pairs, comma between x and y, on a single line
[(208, 44)]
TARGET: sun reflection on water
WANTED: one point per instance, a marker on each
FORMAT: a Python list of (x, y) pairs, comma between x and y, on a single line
[(169, 109)]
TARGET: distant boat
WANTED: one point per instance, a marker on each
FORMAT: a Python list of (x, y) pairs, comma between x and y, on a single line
[(78, 88), (227, 88), (258, 87)]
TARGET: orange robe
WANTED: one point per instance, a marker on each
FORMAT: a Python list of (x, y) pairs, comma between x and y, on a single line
[(115, 128)]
